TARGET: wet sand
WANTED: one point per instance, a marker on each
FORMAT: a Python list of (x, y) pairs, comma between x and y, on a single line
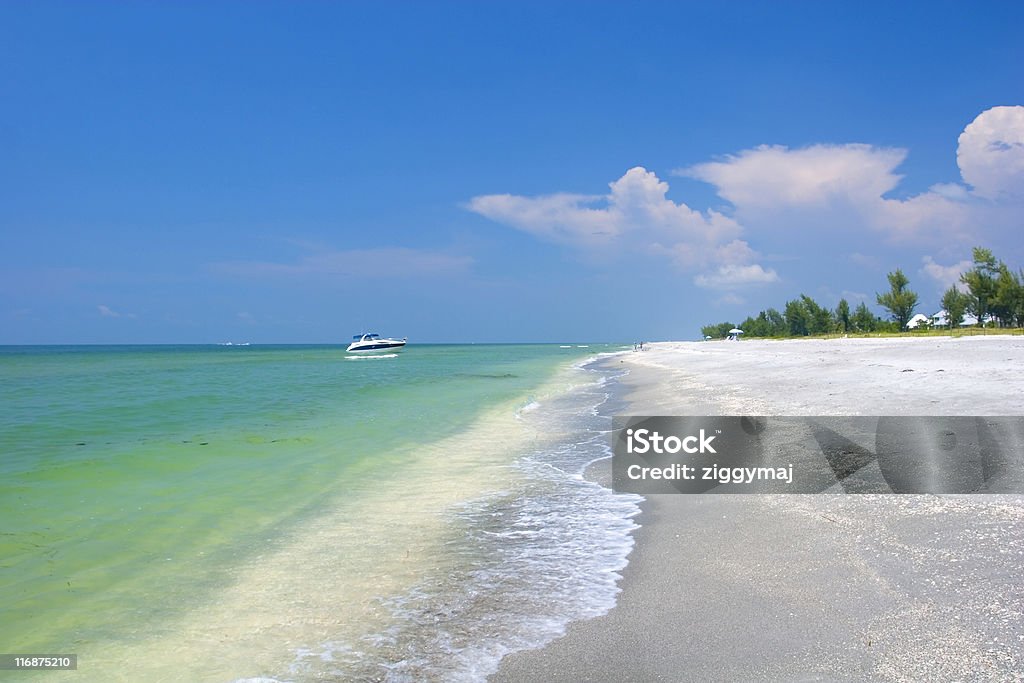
[(815, 587)]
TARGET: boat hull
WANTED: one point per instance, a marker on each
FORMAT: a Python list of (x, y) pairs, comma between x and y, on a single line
[(376, 347)]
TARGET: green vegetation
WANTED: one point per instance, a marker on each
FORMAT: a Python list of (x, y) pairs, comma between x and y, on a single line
[(866, 321), (981, 283), (899, 300), (955, 302), (718, 331), (1009, 302), (990, 292), (843, 319)]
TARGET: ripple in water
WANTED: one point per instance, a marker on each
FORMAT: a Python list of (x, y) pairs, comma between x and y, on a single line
[(519, 566)]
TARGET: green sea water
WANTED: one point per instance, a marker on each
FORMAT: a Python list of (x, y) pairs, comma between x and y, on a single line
[(136, 481)]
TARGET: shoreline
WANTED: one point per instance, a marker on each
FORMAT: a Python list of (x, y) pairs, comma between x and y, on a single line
[(821, 587), (426, 547)]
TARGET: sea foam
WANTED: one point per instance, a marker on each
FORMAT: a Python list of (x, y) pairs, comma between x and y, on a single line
[(527, 560)]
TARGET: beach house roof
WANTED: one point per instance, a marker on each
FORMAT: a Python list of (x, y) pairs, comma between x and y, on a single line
[(941, 319), (917, 320)]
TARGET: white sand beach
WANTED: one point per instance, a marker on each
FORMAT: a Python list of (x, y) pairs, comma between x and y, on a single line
[(813, 587), (978, 375)]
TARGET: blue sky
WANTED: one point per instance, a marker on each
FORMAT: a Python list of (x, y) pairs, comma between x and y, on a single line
[(522, 171)]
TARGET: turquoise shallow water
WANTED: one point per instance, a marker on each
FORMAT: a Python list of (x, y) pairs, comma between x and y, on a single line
[(137, 482)]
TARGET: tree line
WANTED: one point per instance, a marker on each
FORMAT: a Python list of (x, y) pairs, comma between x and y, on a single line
[(990, 292)]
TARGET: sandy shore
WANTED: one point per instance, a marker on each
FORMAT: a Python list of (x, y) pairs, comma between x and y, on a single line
[(819, 587)]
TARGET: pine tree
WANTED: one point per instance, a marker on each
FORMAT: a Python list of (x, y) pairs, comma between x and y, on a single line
[(899, 301), (1008, 302), (843, 320), (955, 302), (863, 319), (796, 318), (981, 284)]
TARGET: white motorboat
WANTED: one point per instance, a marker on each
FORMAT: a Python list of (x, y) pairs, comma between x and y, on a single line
[(374, 343)]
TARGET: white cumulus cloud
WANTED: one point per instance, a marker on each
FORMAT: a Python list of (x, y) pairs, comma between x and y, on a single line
[(775, 176), (824, 186), (635, 214), (563, 218), (731, 276), (944, 276), (635, 204), (991, 153), (793, 203)]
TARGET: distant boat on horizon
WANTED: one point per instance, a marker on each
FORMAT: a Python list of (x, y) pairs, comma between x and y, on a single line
[(372, 342)]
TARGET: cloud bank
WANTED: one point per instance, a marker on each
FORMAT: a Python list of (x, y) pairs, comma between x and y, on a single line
[(636, 214), (773, 176), (802, 192), (849, 183), (833, 185)]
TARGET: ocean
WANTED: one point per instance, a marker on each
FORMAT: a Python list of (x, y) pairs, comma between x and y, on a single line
[(288, 513)]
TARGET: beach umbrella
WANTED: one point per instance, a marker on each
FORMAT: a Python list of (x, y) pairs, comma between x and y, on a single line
[(735, 330)]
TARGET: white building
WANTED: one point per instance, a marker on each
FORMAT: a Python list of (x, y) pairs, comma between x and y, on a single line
[(941, 319), (918, 320)]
